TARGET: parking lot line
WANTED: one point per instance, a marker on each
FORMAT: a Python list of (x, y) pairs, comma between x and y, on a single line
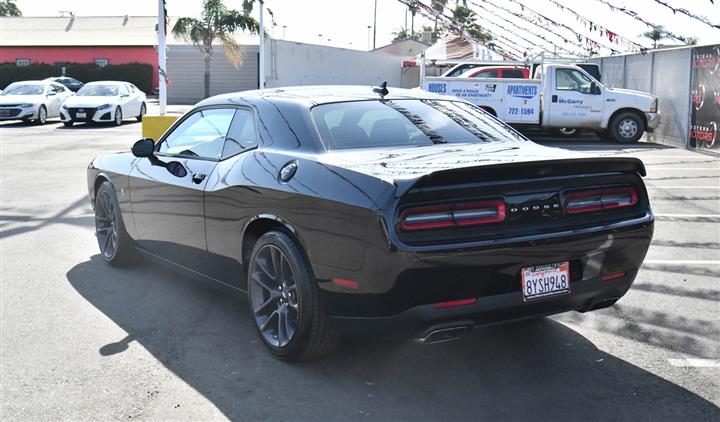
[(684, 168), (679, 262), (687, 215), (681, 187), (695, 363)]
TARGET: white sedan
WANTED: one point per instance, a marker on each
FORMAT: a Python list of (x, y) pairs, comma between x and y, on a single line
[(104, 101), (32, 101)]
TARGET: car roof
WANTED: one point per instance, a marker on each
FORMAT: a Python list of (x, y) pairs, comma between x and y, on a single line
[(106, 83), (321, 94), (470, 72)]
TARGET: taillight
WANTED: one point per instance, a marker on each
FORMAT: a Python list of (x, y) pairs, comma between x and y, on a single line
[(602, 199), (452, 215)]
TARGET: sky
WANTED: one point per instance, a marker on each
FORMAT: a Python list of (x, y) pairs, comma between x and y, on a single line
[(344, 23)]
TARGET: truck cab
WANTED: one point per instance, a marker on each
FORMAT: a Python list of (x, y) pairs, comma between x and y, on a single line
[(572, 98)]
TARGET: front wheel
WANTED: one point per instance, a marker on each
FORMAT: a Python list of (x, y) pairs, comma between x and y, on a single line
[(68, 123), (285, 300), (627, 127), (116, 246), (143, 110), (118, 117), (42, 115)]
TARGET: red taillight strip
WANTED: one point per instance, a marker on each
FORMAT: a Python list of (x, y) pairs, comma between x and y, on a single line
[(601, 199), (609, 277), (455, 303), (452, 215)]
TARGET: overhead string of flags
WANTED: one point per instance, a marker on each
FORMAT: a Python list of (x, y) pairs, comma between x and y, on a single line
[(588, 46), (686, 12), (507, 44), (547, 41), (638, 18)]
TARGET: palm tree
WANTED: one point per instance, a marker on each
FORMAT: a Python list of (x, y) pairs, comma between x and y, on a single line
[(658, 33), (9, 8), (217, 23)]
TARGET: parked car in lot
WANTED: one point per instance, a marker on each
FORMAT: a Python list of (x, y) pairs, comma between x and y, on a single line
[(32, 101), (70, 83), (342, 207), (104, 102), (502, 72)]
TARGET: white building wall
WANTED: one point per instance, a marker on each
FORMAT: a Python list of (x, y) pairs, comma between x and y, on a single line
[(291, 63)]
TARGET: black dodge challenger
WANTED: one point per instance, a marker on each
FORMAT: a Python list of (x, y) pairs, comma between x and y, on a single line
[(341, 207)]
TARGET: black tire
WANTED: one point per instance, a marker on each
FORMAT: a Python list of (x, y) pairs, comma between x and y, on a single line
[(626, 127), (119, 249), (314, 334), (118, 117), (143, 110), (566, 132), (42, 116), (69, 123)]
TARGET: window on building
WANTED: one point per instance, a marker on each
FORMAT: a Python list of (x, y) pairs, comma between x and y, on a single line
[(102, 62), (22, 62)]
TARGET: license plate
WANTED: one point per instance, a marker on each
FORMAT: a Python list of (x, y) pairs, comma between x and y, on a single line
[(4, 113), (545, 280), (80, 115)]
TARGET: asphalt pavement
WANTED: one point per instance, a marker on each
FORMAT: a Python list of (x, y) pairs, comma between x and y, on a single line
[(80, 340)]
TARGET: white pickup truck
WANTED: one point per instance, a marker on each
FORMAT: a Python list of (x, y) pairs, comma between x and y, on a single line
[(560, 96)]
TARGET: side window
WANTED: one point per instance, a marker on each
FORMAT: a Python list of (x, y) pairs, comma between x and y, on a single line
[(513, 74), (201, 135), (487, 74), (124, 90), (572, 80), (242, 134)]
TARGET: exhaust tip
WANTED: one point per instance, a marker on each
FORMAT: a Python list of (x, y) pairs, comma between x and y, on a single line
[(442, 335)]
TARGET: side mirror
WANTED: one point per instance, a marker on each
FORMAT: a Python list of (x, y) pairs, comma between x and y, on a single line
[(594, 89), (143, 148), (51, 93)]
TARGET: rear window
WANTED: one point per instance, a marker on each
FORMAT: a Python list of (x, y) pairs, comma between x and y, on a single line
[(384, 123)]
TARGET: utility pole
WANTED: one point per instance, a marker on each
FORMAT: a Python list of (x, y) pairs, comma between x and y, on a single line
[(284, 28), (161, 57), (374, 25), (261, 60)]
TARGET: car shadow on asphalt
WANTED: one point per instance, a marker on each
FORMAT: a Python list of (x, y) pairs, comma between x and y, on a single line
[(537, 370)]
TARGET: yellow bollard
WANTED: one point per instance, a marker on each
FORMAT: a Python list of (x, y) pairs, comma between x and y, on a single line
[(154, 126)]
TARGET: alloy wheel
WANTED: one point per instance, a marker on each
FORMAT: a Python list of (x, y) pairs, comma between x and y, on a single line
[(118, 116), (274, 296), (106, 224), (42, 115)]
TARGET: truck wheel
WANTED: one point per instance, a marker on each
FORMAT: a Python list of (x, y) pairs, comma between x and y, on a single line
[(566, 132), (627, 127)]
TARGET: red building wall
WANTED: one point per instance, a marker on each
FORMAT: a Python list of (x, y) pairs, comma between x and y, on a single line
[(115, 55)]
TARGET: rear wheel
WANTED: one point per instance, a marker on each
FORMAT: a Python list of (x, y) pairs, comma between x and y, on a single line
[(143, 110), (627, 127), (566, 132), (285, 300), (116, 246)]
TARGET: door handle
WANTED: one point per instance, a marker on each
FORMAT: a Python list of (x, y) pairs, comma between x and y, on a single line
[(197, 178)]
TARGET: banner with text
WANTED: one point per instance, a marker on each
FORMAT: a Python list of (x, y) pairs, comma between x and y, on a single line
[(705, 95)]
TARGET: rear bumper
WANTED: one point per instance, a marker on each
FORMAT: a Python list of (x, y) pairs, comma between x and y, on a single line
[(401, 289), (585, 295)]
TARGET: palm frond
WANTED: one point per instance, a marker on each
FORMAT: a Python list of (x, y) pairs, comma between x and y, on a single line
[(234, 52)]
